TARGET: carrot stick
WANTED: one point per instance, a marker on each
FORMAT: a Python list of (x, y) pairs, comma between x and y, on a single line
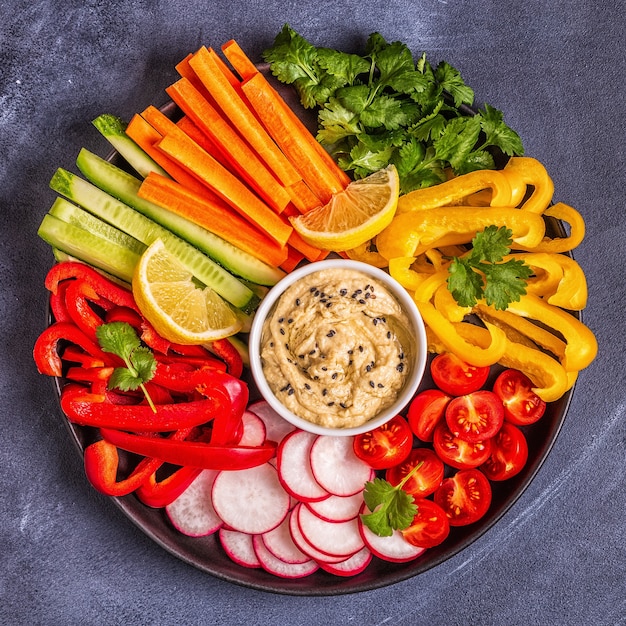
[(297, 144), (293, 258), (145, 135), (239, 60), (216, 217), (202, 139), (190, 155), (232, 79), (240, 115), (302, 197), (241, 158)]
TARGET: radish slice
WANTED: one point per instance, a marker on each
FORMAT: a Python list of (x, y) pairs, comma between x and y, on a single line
[(239, 547), (304, 545), (337, 508), (332, 538), (294, 467), (281, 544), (352, 566), (253, 430), (251, 500), (270, 563), (393, 548), (276, 427), (336, 467), (192, 513)]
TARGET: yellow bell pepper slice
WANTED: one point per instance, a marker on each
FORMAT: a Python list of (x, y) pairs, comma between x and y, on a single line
[(574, 219), (446, 304), (548, 272), (411, 234), (531, 172), (454, 190), (548, 376), (571, 292), (581, 344), (365, 254), (453, 341), (400, 270)]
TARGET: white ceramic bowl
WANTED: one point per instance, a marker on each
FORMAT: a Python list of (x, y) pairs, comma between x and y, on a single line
[(418, 334)]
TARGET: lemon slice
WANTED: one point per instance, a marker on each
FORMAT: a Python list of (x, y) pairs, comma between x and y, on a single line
[(179, 310), (352, 216)]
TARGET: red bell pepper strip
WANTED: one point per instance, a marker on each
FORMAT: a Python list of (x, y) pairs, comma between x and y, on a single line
[(89, 374), (124, 314), (57, 303), (228, 424), (85, 409), (192, 453), (101, 460), (159, 493), (74, 354), (228, 353), (45, 351)]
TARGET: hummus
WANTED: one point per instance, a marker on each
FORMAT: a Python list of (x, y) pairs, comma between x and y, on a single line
[(336, 348)]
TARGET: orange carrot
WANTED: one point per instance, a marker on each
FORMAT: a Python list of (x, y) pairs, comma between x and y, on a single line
[(293, 258), (241, 158), (202, 139), (294, 140), (145, 135), (217, 217), (239, 60), (201, 164), (242, 118), (302, 197)]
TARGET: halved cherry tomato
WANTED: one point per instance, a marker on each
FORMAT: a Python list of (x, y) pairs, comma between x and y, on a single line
[(429, 527), (425, 480), (509, 453), (475, 416), (465, 497), (457, 452), (522, 406), (456, 377), (386, 445), (426, 411)]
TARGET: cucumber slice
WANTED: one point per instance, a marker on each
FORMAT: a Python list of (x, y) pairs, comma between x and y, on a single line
[(133, 223), (68, 212), (113, 130), (88, 247), (125, 187)]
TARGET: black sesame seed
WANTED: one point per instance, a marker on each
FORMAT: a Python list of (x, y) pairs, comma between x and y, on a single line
[(388, 334), (312, 351), (307, 386), (361, 301), (343, 405), (350, 351), (281, 320), (368, 368), (343, 292), (360, 348), (329, 304), (375, 321), (400, 367), (372, 383), (312, 289), (324, 392), (297, 301), (331, 403), (282, 331), (334, 376), (324, 369), (380, 385), (291, 392)]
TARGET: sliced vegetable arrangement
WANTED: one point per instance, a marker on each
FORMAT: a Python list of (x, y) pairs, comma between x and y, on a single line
[(164, 252)]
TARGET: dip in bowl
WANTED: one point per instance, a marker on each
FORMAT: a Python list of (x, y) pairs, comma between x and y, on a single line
[(337, 347)]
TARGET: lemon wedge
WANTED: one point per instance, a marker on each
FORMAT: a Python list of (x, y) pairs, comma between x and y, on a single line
[(352, 216), (180, 310)]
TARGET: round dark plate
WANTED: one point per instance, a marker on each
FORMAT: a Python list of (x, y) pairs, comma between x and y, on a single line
[(207, 555)]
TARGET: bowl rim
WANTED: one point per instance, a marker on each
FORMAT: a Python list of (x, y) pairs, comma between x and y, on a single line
[(406, 302)]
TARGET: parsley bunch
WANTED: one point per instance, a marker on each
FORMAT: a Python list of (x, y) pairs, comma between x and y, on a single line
[(482, 273), (383, 107)]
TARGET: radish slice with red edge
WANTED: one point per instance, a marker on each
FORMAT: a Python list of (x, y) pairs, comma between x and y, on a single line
[(294, 467), (352, 566), (332, 538), (280, 543), (270, 563), (336, 467), (238, 546), (251, 500), (337, 508), (304, 545), (394, 548), (254, 432), (275, 426), (192, 513)]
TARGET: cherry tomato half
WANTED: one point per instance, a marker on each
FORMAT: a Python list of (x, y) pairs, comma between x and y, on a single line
[(429, 527), (426, 411), (509, 453), (457, 452), (522, 406), (456, 377), (425, 480), (465, 497), (475, 416), (386, 445)]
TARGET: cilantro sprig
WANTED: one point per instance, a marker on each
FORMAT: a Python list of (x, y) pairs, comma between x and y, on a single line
[(392, 508), (383, 107), (482, 273), (120, 338)]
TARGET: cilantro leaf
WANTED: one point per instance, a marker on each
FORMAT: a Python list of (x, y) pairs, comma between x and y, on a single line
[(483, 273), (498, 133), (391, 507), (121, 339), (343, 66), (450, 80), (457, 140)]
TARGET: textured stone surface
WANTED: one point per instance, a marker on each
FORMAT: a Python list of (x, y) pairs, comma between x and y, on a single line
[(68, 556)]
